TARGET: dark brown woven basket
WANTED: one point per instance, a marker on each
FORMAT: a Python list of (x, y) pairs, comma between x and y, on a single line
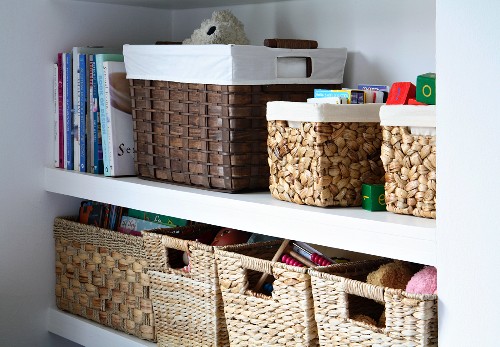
[(206, 135)]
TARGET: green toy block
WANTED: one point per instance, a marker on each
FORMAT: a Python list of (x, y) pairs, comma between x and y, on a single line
[(373, 197), (426, 88)]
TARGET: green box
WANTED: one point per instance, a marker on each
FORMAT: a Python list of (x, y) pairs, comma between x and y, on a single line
[(373, 197), (426, 88)]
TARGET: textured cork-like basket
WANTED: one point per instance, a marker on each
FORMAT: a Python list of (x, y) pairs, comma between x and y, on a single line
[(285, 318), (322, 163), (188, 305), (343, 301), (410, 165), (101, 275)]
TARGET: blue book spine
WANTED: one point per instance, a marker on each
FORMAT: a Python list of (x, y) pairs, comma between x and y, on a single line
[(69, 113), (83, 112), (325, 93), (102, 112), (97, 165)]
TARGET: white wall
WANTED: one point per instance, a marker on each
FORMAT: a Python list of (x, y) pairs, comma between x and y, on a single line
[(387, 40), (468, 60), (31, 34)]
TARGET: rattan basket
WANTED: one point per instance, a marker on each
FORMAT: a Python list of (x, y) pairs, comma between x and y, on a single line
[(410, 165), (188, 305), (284, 319), (323, 163), (206, 135), (101, 275), (340, 295)]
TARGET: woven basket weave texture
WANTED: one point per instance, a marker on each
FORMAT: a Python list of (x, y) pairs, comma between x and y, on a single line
[(206, 135), (410, 166), (101, 275), (323, 164), (284, 319), (340, 293), (188, 305)]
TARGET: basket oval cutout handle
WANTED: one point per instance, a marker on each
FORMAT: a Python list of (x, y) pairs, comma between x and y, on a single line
[(293, 67)]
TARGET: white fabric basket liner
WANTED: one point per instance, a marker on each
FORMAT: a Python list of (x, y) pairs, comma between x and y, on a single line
[(331, 113), (233, 64), (420, 119)]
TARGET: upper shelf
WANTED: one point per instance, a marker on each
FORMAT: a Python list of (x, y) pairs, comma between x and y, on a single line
[(353, 229), (182, 4)]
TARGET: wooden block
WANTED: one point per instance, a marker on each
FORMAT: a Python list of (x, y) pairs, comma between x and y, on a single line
[(400, 93), (426, 88), (415, 102), (373, 197)]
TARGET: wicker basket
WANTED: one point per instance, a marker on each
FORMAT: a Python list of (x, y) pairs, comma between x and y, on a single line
[(322, 163), (101, 275), (284, 319), (410, 164), (341, 295), (206, 135), (188, 305)]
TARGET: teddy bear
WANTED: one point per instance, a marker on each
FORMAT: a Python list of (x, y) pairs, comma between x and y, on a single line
[(222, 28)]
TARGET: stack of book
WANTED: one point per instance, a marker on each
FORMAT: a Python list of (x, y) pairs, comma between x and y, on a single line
[(92, 112)]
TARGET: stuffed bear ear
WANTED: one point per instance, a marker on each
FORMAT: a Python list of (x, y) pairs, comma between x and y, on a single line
[(211, 30)]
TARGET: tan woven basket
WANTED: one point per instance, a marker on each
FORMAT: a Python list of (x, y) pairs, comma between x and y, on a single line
[(206, 135), (284, 319), (410, 165), (323, 164), (101, 275), (188, 306), (340, 295)]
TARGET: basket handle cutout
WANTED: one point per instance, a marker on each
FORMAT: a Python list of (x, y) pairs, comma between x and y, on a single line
[(293, 67), (365, 304)]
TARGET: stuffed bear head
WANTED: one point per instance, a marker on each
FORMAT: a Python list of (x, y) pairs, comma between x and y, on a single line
[(222, 28)]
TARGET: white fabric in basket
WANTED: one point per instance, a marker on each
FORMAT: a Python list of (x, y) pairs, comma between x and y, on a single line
[(233, 64), (324, 112), (420, 119)]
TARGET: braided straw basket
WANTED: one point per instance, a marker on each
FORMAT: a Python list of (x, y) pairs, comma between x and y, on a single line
[(101, 275), (410, 165), (341, 295), (284, 319), (322, 163), (188, 305)]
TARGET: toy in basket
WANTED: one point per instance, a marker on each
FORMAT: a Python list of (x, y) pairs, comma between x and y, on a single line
[(199, 110), (321, 154), (409, 157), (351, 312)]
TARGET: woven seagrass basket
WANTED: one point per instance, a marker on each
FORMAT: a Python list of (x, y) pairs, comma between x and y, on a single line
[(321, 163), (341, 296), (101, 275), (188, 305), (285, 318), (410, 166), (206, 135)]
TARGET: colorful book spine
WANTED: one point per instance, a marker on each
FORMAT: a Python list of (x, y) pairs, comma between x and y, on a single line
[(68, 111), (134, 226), (95, 140), (55, 105), (158, 218), (60, 108), (82, 113), (103, 112)]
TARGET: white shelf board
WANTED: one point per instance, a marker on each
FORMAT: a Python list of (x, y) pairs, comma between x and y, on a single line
[(182, 4), (353, 229), (88, 333)]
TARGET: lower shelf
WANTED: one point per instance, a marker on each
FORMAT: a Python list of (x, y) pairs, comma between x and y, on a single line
[(88, 333), (353, 229)]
